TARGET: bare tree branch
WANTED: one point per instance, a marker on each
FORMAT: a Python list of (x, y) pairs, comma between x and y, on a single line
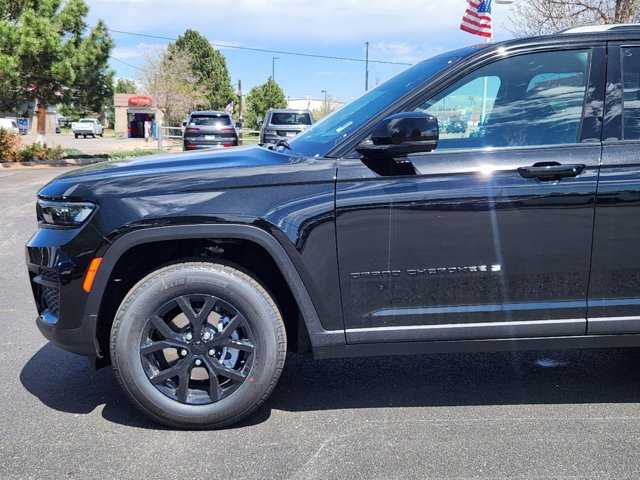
[(538, 17), (170, 80)]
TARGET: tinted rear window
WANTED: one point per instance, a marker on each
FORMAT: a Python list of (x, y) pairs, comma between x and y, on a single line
[(210, 120), (290, 119)]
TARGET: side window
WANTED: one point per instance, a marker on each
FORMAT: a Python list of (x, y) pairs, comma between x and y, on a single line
[(631, 93), (534, 99)]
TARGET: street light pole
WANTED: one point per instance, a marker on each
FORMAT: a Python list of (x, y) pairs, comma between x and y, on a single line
[(366, 68), (325, 100), (273, 67)]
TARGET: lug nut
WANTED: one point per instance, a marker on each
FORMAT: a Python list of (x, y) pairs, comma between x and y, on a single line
[(206, 335), (212, 352), (198, 362), (189, 337), (183, 353)]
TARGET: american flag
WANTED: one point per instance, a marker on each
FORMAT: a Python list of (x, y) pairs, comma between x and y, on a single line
[(477, 18)]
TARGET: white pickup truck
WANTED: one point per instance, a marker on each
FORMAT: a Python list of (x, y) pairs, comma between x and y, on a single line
[(86, 127)]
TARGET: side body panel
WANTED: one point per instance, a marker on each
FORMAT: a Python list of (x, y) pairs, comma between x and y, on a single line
[(614, 293)]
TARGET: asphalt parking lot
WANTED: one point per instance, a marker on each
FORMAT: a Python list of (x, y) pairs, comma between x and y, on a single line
[(553, 414)]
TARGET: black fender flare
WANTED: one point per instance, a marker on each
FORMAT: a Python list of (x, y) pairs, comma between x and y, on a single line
[(318, 335)]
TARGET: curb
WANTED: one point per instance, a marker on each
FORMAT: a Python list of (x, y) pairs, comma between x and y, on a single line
[(66, 162)]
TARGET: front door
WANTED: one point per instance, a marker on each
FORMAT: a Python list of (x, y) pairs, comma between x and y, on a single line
[(491, 237)]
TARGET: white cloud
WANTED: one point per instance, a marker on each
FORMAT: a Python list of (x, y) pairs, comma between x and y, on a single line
[(404, 52), (289, 22), (135, 52)]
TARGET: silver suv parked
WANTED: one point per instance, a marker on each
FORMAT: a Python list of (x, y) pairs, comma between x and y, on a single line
[(280, 124)]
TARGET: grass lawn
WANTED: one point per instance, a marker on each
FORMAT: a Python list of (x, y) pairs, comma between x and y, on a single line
[(75, 153)]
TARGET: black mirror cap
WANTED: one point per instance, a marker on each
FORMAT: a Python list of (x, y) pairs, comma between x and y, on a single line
[(401, 134)]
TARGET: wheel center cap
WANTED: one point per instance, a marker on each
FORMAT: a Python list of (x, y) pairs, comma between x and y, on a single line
[(198, 348)]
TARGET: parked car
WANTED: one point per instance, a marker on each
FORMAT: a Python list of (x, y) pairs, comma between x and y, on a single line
[(366, 234), (282, 124), (9, 125), (209, 129), (457, 126), (87, 127)]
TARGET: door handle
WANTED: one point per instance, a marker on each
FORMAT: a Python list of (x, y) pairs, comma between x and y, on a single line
[(551, 171)]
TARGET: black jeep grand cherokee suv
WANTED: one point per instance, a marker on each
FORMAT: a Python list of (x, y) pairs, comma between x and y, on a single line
[(370, 233)]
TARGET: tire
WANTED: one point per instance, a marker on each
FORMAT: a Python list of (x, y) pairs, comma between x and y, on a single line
[(84, 136), (93, 135), (198, 345), (76, 135)]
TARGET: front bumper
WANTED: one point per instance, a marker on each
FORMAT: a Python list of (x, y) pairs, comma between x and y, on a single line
[(81, 340), (57, 261)]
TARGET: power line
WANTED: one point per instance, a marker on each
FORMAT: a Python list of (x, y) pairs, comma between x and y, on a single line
[(127, 64), (264, 50)]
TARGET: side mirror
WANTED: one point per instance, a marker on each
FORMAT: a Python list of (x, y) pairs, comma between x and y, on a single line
[(260, 122), (401, 134), (184, 124)]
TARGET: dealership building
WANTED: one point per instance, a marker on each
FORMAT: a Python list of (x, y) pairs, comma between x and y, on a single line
[(132, 111)]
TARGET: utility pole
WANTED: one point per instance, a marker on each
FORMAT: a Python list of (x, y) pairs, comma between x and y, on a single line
[(366, 68), (240, 117), (325, 101), (273, 67)]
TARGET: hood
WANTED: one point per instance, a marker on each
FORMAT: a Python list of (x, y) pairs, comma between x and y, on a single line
[(179, 162), (187, 172)]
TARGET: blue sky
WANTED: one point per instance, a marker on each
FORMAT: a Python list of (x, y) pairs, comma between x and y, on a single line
[(408, 33)]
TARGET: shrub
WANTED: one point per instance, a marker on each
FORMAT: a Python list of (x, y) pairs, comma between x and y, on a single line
[(10, 146), (38, 153)]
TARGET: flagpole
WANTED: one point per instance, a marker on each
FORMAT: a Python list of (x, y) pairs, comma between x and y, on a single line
[(484, 92)]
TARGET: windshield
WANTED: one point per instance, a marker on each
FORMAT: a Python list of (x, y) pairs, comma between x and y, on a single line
[(324, 135)]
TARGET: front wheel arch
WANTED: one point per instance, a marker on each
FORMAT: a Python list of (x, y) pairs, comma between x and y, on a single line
[(304, 329)]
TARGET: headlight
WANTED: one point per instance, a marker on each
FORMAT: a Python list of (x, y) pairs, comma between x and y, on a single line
[(64, 214)]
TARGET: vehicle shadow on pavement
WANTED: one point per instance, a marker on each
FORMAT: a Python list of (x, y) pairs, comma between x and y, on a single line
[(65, 382), (505, 378)]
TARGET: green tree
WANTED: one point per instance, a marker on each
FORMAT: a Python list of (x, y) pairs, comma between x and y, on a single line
[(209, 66), (11, 9), (125, 85), (47, 55), (260, 99)]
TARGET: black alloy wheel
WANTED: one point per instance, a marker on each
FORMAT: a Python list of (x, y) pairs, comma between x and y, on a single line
[(197, 349), (198, 345)]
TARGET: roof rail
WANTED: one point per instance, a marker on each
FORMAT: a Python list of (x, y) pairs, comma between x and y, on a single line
[(602, 28)]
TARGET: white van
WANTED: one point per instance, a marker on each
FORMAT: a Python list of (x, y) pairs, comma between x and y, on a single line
[(9, 125)]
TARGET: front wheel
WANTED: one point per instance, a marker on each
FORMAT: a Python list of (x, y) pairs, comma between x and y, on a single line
[(198, 345)]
